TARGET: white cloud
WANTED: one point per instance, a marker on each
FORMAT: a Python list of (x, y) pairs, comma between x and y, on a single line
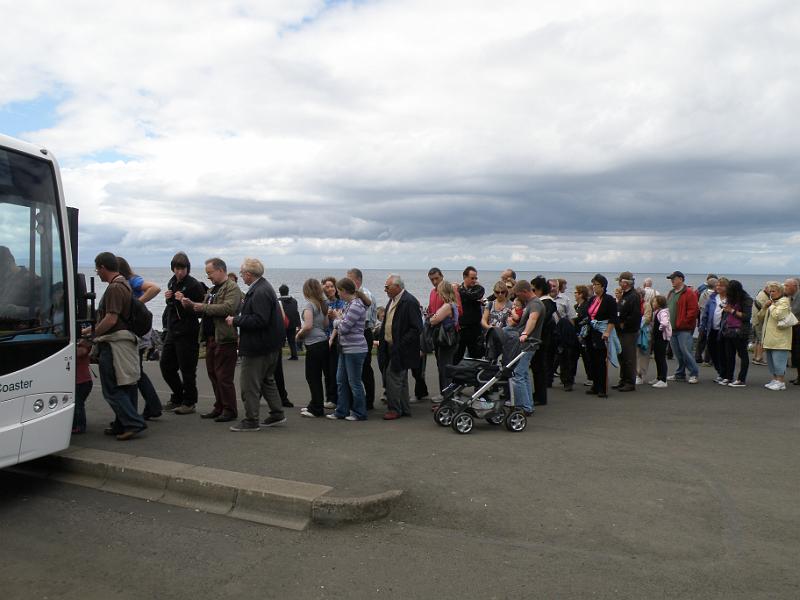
[(589, 135)]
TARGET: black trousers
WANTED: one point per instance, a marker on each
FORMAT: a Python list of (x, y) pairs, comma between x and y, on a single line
[(470, 337), (540, 377), (368, 374), (567, 364), (660, 346), (420, 387), (279, 379), (316, 365), (597, 361), (180, 355), (713, 346), (627, 363), (331, 387), (730, 348), (291, 332)]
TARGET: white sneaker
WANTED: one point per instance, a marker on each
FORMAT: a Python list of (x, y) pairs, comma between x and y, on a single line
[(717, 379), (660, 384), (329, 405), (771, 383), (332, 416), (723, 382), (304, 412), (351, 418), (652, 381), (675, 378), (737, 383), (639, 381), (693, 379), (777, 386)]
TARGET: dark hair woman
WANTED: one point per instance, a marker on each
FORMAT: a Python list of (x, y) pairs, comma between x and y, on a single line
[(602, 307), (313, 333), (736, 333), (582, 309)]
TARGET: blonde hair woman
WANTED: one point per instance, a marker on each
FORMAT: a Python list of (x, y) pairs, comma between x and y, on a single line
[(314, 315), (777, 341), (447, 317)]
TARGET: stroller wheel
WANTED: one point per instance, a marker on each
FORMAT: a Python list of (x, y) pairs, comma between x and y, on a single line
[(463, 423), (516, 421), (496, 418), (444, 414)]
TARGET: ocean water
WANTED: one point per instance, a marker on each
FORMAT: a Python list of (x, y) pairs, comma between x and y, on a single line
[(416, 281)]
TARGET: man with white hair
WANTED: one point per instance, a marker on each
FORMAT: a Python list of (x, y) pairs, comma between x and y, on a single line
[(399, 348), (791, 288), (261, 336)]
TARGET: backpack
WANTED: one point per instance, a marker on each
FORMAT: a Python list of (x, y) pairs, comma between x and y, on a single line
[(140, 320)]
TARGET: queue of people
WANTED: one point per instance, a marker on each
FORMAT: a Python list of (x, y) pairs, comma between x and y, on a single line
[(339, 322)]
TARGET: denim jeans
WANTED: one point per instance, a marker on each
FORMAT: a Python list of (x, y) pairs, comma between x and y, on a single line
[(521, 382), (121, 398), (681, 343), (776, 361), (351, 396)]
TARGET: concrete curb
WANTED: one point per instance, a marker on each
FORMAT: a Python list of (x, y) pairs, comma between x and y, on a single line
[(267, 500)]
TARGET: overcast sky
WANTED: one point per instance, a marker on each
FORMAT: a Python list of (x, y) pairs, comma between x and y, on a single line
[(574, 136)]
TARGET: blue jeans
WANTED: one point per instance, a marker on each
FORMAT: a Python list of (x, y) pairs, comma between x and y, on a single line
[(681, 343), (521, 383), (350, 394), (776, 362), (121, 398)]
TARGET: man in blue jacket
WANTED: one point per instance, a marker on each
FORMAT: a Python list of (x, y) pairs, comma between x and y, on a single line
[(261, 336)]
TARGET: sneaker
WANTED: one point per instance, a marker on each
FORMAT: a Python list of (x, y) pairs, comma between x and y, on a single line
[(639, 381), (333, 416), (171, 406), (304, 412), (771, 383), (414, 400), (128, 435), (676, 378), (184, 410), (210, 415), (353, 418), (694, 379), (329, 405), (272, 421), (737, 383), (717, 379), (652, 381), (246, 425), (588, 384), (777, 386), (659, 384), (722, 381)]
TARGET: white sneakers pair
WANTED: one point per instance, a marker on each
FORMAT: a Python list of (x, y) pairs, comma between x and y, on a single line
[(692, 379), (775, 385)]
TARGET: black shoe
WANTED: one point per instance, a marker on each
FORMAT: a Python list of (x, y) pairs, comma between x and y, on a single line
[(591, 392), (540, 403), (528, 413), (602, 395), (112, 431), (618, 386), (210, 415), (627, 388), (287, 404), (149, 417), (292, 358), (246, 425), (567, 387), (273, 421), (223, 418)]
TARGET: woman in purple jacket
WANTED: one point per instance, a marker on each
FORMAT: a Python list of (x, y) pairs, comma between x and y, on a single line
[(351, 402)]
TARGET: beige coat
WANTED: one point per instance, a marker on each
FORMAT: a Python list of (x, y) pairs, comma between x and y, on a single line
[(774, 337)]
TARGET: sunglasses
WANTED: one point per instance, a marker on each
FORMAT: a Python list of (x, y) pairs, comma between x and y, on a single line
[(500, 292)]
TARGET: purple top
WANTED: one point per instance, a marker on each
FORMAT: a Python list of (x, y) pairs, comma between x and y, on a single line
[(351, 327)]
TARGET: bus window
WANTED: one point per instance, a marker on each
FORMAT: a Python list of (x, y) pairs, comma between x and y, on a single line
[(33, 306)]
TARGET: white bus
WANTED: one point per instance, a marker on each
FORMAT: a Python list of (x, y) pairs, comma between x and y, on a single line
[(37, 306)]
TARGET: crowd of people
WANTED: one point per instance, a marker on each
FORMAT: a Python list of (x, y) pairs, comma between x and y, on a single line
[(339, 323)]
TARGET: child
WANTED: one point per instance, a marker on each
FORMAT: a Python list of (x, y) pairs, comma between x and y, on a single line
[(662, 332), (83, 386), (516, 313)]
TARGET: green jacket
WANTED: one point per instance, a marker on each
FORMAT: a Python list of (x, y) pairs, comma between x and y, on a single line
[(225, 303)]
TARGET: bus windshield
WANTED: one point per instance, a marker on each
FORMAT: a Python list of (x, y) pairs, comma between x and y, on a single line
[(33, 305)]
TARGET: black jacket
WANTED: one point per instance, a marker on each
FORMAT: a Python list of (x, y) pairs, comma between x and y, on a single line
[(606, 312), (291, 310), (260, 322), (630, 311), (406, 330), (179, 321), (471, 305)]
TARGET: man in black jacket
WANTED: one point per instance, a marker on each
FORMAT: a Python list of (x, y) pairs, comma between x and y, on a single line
[(293, 314), (629, 310), (399, 348), (261, 336), (181, 347), (469, 321)]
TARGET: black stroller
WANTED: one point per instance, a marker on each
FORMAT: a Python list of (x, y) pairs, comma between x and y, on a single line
[(487, 377)]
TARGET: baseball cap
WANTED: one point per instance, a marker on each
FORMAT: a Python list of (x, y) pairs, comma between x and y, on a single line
[(676, 274)]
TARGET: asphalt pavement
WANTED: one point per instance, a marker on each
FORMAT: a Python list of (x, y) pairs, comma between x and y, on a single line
[(687, 492)]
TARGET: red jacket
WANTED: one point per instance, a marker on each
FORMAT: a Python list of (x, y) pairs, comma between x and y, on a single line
[(687, 309)]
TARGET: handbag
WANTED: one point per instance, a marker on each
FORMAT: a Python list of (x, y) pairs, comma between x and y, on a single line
[(788, 321), (444, 337)]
